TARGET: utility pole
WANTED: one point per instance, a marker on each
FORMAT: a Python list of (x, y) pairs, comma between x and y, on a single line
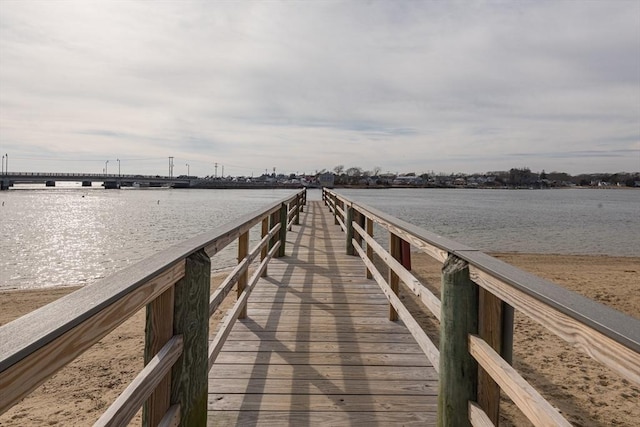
[(170, 166), (119, 174), (188, 172), (216, 174), (222, 174), (106, 166), (3, 164)]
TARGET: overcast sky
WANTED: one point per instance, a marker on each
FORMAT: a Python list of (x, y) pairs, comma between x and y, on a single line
[(300, 86)]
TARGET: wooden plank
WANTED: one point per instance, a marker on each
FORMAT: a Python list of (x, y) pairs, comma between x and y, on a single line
[(34, 367), (338, 402), (617, 356), (172, 417), (323, 386), (357, 336), (304, 310), (158, 331), (334, 372), (343, 359), (416, 330), (490, 330), (479, 418), (225, 326), (319, 418), (426, 296), (526, 398), (129, 402), (321, 347)]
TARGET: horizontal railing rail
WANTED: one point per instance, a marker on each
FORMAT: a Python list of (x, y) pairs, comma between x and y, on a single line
[(174, 286), (478, 296)]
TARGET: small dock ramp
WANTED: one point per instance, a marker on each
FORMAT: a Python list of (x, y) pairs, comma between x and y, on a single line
[(317, 347)]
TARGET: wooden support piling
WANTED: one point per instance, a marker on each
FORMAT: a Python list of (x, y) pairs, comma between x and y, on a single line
[(459, 318), (283, 229), (243, 250), (263, 252), (490, 330), (369, 248), (158, 331), (349, 224), (395, 246), (189, 384)]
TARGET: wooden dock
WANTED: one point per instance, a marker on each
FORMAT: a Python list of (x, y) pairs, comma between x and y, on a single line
[(317, 347)]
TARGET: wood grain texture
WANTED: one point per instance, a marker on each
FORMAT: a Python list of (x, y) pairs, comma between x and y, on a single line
[(490, 330), (191, 320), (527, 399), (428, 299), (458, 370), (171, 418), (611, 353), (129, 402), (243, 250), (478, 417), (316, 340), (30, 371), (158, 331)]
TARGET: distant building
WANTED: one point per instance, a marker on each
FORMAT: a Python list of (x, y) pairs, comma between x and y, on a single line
[(326, 180)]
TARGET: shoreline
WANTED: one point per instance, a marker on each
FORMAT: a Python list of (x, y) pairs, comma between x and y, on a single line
[(585, 391)]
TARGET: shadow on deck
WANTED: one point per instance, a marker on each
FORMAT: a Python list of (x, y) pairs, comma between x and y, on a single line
[(317, 346)]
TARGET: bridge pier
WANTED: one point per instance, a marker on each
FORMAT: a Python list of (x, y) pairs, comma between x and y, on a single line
[(86, 183), (109, 185), (50, 184)]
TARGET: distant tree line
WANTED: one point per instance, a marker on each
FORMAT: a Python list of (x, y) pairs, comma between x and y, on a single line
[(513, 178)]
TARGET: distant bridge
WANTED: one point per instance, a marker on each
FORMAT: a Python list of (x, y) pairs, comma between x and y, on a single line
[(8, 179)]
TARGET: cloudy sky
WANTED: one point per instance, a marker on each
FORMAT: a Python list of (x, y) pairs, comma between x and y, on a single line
[(300, 86)]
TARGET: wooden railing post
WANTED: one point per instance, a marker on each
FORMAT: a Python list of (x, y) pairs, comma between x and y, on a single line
[(369, 248), (349, 224), (243, 250), (274, 218), (191, 320), (283, 229), (158, 330), (304, 200), (296, 219), (265, 249), (335, 210), (459, 318), (360, 219), (490, 323), (395, 247)]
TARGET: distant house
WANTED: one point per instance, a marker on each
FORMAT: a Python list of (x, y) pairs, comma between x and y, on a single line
[(326, 180)]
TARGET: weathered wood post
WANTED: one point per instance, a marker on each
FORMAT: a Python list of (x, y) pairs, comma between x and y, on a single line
[(274, 218), (360, 219), (158, 331), (459, 318), (349, 224), (395, 247), (190, 314), (335, 210), (265, 249), (296, 220), (283, 229), (369, 248), (490, 322), (304, 200), (243, 250)]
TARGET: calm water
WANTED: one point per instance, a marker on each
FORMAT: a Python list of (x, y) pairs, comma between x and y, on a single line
[(567, 221), (52, 237)]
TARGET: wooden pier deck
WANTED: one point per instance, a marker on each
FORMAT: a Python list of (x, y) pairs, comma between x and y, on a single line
[(317, 347)]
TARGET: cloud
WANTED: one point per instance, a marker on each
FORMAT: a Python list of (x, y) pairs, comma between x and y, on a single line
[(411, 85)]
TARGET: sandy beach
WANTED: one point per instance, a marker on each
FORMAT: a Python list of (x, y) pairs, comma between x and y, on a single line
[(586, 393)]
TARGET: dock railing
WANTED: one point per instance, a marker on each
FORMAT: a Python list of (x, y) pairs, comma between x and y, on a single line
[(478, 297), (174, 285)]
